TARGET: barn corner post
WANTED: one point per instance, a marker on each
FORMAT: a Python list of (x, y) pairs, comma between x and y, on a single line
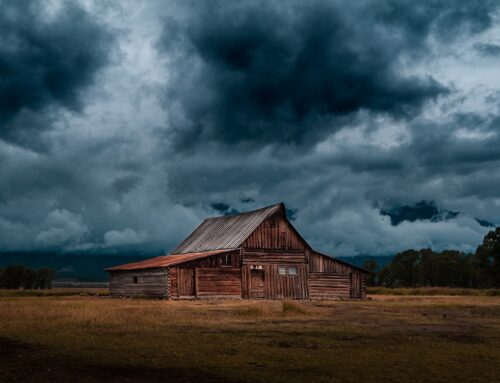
[(252, 255)]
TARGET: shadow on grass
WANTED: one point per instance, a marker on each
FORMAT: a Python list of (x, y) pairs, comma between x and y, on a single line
[(24, 362)]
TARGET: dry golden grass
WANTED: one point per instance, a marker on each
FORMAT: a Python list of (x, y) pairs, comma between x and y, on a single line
[(389, 339), (433, 291)]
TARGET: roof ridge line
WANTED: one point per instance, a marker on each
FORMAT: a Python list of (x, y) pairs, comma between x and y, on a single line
[(244, 212)]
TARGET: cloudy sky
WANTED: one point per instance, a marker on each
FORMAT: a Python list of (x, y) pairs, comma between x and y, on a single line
[(125, 123)]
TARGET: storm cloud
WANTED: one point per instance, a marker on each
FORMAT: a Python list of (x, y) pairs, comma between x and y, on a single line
[(259, 71), (124, 124), (47, 56)]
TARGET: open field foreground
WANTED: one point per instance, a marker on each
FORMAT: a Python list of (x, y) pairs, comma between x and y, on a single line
[(390, 339)]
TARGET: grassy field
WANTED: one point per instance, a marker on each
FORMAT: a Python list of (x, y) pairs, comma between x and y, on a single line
[(91, 338), (433, 291)]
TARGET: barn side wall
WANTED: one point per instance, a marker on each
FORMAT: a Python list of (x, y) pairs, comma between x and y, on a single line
[(275, 285), (218, 283), (332, 279), (329, 285), (207, 278), (147, 282)]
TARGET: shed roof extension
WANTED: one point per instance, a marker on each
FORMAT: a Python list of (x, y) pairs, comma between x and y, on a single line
[(165, 261), (227, 232)]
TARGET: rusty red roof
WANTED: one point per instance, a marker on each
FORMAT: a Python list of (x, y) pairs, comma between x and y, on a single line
[(166, 260)]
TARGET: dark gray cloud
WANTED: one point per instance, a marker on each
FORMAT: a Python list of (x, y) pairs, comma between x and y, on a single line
[(258, 71), (423, 210), (488, 49), (340, 109), (46, 58)]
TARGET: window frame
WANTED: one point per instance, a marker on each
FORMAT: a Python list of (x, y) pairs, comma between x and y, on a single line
[(135, 280), (288, 271)]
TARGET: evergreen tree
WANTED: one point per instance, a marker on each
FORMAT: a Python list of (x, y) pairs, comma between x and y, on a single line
[(371, 266), (488, 259)]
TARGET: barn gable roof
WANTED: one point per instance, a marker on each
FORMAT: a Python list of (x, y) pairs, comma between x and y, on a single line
[(226, 232)]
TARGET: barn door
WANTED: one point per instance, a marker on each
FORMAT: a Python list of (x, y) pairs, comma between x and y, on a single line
[(257, 283), (355, 285), (186, 283)]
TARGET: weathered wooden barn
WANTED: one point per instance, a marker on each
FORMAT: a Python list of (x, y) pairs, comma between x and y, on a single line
[(252, 255)]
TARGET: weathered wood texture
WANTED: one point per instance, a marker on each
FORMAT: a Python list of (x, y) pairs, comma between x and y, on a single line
[(173, 283), (265, 264), (276, 286), (218, 283), (218, 276), (262, 257), (329, 286), (215, 261), (275, 232), (257, 287), (286, 286), (357, 286), (186, 284), (319, 263), (149, 282)]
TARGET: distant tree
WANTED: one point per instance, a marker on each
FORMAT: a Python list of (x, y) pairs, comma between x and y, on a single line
[(29, 278), (13, 276), (385, 276), (471, 271), (427, 273), (488, 259), (404, 268), (451, 268), (44, 278), (371, 266), (2, 282)]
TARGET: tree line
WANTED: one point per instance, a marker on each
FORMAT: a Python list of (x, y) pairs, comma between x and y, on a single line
[(449, 268), (17, 276)]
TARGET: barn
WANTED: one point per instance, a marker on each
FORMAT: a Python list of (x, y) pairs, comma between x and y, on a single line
[(252, 255)]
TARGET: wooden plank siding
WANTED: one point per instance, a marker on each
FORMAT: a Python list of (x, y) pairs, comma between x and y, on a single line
[(150, 282), (275, 286), (341, 279), (319, 263), (209, 276), (275, 232), (329, 286), (357, 286), (285, 286), (218, 283)]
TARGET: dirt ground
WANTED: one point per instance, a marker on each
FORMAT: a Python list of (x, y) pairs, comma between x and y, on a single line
[(74, 338)]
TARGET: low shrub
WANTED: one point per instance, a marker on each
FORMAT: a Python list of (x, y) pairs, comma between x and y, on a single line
[(249, 311), (290, 307)]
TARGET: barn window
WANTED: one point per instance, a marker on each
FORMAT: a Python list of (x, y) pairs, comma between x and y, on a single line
[(134, 279), (226, 260), (292, 270), (282, 270)]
